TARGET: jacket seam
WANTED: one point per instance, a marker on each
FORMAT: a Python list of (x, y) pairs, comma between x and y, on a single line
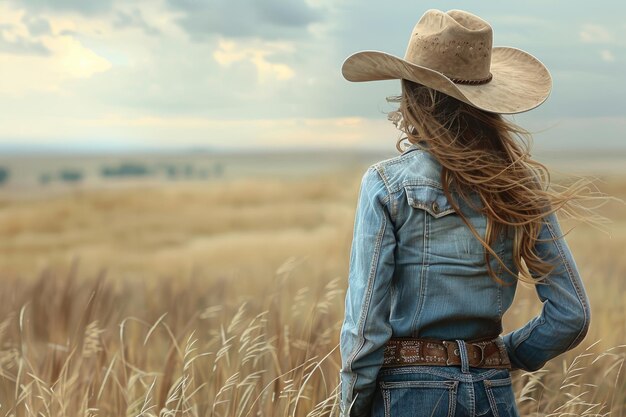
[(381, 173), (499, 273), (423, 283), (579, 295), (393, 203), (541, 320), (395, 186), (421, 181), (368, 295), (398, 158)]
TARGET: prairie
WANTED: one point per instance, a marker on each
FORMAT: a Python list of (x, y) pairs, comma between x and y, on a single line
[(225, 298)]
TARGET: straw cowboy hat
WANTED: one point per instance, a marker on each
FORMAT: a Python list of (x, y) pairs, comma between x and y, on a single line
[(452, 52)]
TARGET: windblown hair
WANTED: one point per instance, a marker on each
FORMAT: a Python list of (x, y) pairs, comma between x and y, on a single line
[(479, 153)]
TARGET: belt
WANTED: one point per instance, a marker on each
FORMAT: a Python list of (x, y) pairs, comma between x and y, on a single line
[(404, 351)]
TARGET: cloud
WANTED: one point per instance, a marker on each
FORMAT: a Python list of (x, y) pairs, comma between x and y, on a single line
[(229, 52), (269, 19), (88, 7), (293, 13), (124, 20), (595, 34), (16, 44), (66, 59), (607, 55), (76, 61), (37, 26)]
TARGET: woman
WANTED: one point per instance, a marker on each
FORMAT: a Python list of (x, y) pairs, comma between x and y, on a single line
[(444, 231)]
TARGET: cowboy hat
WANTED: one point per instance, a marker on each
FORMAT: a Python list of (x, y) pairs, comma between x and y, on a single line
[(452, 52)]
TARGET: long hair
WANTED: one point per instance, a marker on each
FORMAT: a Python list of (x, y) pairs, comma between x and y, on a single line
[(482, 152)]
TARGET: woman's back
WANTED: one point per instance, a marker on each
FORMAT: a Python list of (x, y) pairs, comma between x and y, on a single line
[(441, 287), (444, 231), (417, 271)]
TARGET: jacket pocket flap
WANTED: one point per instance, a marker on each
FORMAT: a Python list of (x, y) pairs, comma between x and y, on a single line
[(429, 198)]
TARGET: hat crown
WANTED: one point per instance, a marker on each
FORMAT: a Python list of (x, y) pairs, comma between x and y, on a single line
[(456, 43)]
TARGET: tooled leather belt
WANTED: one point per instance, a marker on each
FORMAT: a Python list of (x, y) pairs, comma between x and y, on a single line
[(413, 351)]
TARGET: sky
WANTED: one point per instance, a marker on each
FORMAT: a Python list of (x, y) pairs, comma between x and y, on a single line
[(265, 74)]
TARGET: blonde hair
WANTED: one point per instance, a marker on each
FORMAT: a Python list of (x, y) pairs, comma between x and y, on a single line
[(478, 152)]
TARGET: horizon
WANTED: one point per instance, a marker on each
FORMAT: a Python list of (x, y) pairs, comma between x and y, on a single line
[(19, 150)]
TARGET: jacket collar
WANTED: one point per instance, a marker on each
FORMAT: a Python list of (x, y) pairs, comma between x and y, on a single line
[(412, 147)]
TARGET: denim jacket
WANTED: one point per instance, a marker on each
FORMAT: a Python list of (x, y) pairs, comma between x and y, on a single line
[(416, 270)]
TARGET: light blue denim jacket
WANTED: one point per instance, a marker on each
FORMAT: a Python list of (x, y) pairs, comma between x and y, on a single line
[(416, 270)]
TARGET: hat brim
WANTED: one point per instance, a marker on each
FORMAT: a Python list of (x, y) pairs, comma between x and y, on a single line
[(520, 81)]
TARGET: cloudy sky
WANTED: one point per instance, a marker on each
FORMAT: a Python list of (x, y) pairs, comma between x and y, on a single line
[(125, 74)]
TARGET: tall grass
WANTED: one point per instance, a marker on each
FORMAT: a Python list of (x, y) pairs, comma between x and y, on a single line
[(81, 346), (75, 345)]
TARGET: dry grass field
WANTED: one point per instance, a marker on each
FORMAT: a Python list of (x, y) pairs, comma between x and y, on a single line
[(226, 299)]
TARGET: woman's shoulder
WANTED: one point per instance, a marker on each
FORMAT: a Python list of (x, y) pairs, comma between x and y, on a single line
[(414, 166)]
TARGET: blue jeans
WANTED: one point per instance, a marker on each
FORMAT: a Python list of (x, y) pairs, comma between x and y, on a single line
[(443, 391)]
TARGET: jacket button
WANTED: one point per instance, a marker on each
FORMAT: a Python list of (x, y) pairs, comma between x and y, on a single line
[(435, 207)]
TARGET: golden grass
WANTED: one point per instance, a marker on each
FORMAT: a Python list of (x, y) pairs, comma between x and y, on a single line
[(226, 299)]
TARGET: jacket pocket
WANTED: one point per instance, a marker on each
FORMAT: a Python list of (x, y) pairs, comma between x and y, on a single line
[(447, 239), (429, 198)]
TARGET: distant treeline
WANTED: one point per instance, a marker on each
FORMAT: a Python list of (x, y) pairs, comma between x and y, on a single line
[(128, 170), (4, 175), (172, 171), (69, 175)]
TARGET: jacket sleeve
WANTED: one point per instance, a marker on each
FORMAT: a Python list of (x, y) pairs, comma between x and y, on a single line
[(366, 327), (565, 314)]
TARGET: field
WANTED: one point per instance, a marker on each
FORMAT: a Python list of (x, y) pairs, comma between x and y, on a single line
[(225, 298)]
